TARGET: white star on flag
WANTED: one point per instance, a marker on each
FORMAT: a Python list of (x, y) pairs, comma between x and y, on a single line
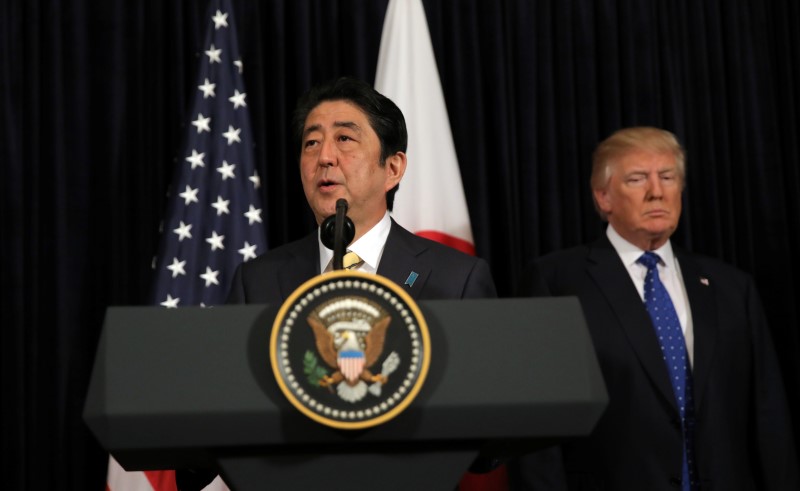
[(190, 195), (253, 215), (171, 303), (184, 231), (255, 180), (216, 241), (238, 99), (221, 206), (202, 123), (177, 267), (210, 277), (232, 135), (220, 20), (248, 251), (226, 170), (196, 159), (208, 89), (214, 54)]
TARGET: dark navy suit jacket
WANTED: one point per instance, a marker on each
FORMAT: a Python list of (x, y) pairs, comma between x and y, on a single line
[(444, 273), (743, 436)]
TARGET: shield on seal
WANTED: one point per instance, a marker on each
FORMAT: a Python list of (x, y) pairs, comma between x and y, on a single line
[(351, 363)]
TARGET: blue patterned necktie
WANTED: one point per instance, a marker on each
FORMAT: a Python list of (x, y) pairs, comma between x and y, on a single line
[(673, 348)]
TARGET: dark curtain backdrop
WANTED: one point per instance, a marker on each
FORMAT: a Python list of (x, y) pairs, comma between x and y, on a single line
[(94, 104)]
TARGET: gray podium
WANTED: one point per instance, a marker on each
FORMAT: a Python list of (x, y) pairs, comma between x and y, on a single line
[(193, 387)]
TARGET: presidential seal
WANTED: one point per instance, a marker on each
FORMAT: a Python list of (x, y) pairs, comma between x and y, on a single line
[(350, 350)]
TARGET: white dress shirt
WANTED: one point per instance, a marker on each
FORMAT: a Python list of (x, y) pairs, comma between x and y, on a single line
[(668, 271), (369, 248)]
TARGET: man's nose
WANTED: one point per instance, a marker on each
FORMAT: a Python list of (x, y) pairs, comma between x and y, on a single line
[(655, 188), (327, 154)]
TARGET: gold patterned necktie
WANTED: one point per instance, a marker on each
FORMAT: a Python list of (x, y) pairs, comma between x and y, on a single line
[(351, 260)]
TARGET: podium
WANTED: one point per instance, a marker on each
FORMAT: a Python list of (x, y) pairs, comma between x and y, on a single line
[(193, 387)]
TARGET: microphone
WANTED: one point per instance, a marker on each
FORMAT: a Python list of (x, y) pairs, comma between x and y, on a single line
[(337, 231)]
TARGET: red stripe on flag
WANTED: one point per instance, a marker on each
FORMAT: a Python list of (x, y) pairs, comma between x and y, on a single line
[(496, 480), (449, 240), (162, 480)]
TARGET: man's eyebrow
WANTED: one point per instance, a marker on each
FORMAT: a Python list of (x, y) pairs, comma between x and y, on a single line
[(347, 124), (313, 127), (338, 124)]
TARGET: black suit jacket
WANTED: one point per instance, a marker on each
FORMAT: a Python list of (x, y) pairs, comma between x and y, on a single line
[(444, 273), (743, 437)]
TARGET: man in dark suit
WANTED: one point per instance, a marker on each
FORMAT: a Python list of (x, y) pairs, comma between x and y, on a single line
[(352, 143), (724, 424)]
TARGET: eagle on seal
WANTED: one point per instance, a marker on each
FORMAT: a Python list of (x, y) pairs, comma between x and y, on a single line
[(350, 347)]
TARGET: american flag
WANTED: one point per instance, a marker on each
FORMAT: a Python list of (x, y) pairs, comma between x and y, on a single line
[(214, 218)]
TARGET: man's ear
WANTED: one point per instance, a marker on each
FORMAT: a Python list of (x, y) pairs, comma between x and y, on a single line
[(395, 167), (602, 199)]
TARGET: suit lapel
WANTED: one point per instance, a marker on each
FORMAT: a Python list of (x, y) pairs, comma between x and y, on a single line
[(614, 283), (700, 291), (399, 261), (303, 265)]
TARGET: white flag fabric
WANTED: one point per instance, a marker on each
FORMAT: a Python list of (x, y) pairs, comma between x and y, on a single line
[(118, 479), (430, 201)]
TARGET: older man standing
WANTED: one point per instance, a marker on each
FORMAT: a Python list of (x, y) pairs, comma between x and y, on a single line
[(695, 394)]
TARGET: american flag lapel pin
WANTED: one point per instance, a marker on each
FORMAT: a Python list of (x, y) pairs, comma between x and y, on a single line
[(704, 281), (412, 277)]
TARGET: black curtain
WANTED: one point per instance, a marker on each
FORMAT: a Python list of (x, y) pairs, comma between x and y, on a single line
[(94, 105)]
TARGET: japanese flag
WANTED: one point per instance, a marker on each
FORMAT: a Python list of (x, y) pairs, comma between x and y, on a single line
[(430, 201)]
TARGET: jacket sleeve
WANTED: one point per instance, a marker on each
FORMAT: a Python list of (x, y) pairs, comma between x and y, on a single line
[(777, 456), (480, 283)]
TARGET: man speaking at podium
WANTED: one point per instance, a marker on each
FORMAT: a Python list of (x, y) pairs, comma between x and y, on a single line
[(352, 145)]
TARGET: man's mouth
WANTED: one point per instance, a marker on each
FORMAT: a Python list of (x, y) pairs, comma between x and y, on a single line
[(326, 185)]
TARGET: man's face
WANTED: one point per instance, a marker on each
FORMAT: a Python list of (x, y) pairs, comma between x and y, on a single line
[(642, 200), (340, 158)]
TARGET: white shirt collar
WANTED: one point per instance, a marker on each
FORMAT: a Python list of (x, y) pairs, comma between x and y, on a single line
[(369, 247), (630, 253)]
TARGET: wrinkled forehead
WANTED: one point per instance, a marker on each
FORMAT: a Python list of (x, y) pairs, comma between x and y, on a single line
[(337, 111)]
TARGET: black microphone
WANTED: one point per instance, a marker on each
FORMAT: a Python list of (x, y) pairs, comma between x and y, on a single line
[(337, 231)]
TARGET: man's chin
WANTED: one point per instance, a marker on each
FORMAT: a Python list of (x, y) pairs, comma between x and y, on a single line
[(660, 233), (326, 210)]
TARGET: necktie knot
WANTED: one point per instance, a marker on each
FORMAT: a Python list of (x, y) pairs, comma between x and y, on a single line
[(351, 260), (649, 259)]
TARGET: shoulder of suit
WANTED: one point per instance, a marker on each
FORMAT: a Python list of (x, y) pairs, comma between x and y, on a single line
[(425, 245), (285, 251), (564, 256), (710, 266)]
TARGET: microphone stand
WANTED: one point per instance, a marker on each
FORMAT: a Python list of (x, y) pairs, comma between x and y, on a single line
[(338, 234)]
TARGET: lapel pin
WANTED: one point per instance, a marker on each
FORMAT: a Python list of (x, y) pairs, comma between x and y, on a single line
[(704, 281), (412, 278)]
